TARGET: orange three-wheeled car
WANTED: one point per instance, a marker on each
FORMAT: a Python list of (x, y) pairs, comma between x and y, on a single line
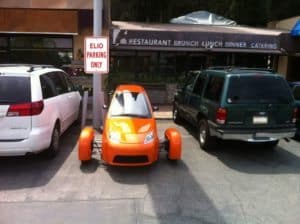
[(129, 135)]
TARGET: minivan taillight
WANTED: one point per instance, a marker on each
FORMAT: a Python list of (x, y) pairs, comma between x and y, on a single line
[(25, 109), (221, 115)]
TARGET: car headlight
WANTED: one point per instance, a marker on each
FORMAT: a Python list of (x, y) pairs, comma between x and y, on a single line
[(149, 138), (114, 137)]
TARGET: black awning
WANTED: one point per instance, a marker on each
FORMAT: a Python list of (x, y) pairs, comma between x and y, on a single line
[(174, 37)]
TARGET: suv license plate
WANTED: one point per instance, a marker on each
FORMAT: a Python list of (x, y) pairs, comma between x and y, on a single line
[(260, 120)]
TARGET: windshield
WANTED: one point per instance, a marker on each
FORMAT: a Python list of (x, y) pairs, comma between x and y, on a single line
[(258, 89), (14, 90), (133, 104)]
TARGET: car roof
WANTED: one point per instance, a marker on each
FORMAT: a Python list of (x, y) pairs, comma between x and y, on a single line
[(130, 88), (23, 69), (224, 71)]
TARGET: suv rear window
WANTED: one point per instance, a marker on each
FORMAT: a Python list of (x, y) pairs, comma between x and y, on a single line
[(258, 89), (14, 90)]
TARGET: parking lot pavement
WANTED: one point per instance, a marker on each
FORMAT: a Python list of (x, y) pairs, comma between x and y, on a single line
[(235, 183)]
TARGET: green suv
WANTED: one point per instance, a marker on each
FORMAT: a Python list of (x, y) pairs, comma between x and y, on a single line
[(251, 105)]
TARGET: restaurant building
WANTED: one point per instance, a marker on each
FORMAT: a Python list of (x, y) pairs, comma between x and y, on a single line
[(52, 32)]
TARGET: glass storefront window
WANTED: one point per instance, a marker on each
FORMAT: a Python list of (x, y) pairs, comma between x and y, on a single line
[(31, 49), (3, 42), (251, 60), (40, 42)]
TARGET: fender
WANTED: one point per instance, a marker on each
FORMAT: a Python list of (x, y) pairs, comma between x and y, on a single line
[(85, 144), (174, 143)]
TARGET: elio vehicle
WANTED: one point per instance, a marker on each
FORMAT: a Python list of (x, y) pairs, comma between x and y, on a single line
[(129, 135)]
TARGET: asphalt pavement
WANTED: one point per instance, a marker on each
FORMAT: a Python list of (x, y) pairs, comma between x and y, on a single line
[(235, 183)]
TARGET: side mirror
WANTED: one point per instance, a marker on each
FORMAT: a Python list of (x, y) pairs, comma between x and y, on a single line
[(155, 108)]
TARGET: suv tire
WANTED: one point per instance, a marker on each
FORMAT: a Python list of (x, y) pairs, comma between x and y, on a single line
[(175, 115), (206, 141)]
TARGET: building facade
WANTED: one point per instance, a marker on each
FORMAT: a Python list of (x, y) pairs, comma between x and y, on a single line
[(52, 32)]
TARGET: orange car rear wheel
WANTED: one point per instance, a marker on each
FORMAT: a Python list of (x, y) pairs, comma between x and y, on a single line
[(173, 144), (85, 144)]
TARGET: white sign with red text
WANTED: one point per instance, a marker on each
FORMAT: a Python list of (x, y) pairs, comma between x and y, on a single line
[(96, 55)]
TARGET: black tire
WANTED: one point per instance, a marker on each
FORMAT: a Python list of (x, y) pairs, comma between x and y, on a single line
[(53, 149), (175, 115), (206, 141)]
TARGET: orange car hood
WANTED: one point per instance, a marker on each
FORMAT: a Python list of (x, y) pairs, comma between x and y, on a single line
[(131, 130)]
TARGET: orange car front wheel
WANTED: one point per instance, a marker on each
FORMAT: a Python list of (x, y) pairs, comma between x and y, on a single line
[(173, 144), (85, 144)]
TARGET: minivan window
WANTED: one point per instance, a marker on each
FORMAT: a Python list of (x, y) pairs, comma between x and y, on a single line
[(48, 88), (14, 90), (69, 82), (296, 93), (59, 82), (214, 88), (258, 89)]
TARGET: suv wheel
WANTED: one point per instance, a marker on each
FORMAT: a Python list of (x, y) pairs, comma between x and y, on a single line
[(205, 139), (175, 115), (54, 145)]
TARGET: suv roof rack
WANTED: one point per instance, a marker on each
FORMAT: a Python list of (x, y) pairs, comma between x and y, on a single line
[(233, 69)]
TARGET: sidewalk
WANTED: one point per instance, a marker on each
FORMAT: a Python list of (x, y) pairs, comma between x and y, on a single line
[(164, 112)]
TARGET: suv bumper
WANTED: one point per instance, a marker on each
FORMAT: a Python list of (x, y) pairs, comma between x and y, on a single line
[(261, 135)]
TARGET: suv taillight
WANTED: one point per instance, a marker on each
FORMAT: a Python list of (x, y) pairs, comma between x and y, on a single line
[(25, 109), (221, 115)]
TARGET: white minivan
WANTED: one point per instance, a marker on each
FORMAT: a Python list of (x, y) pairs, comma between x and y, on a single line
[(37, 104)]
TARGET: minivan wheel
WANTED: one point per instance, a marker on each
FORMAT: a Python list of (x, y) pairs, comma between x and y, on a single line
[(54, 145), (175, 115), (205, 139)]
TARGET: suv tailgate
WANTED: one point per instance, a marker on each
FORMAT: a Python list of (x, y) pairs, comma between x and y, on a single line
[(259, 101)]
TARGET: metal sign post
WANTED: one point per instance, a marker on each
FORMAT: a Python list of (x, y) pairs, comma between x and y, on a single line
[(98, 95)]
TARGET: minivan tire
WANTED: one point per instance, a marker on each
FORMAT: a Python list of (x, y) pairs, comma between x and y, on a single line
[(206, 141), (53, 149)]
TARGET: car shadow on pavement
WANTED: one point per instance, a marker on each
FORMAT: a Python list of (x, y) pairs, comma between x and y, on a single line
[(173, 194), (36, 170), (255, 158), (90, 166)]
